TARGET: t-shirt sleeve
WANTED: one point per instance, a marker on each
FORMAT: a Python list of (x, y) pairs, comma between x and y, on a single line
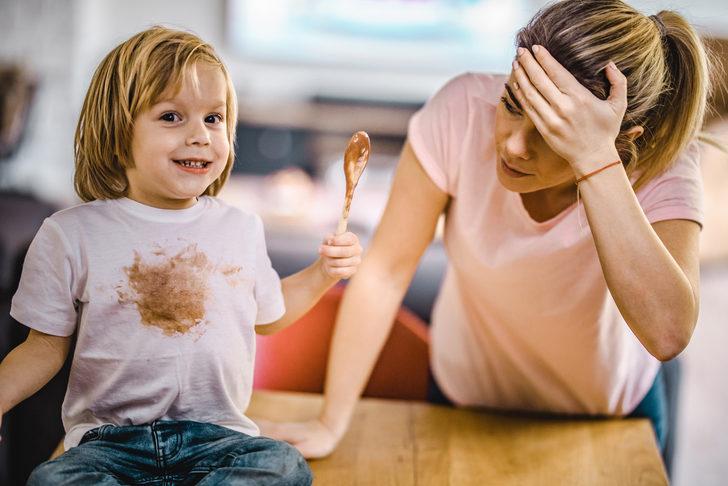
[(46, 298), (268, 293), (438, 130), (678, 192)]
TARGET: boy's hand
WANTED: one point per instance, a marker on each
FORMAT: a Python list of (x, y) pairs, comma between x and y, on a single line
[(340, 255)]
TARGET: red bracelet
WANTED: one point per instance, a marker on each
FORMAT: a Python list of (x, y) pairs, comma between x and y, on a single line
[(586, 176)]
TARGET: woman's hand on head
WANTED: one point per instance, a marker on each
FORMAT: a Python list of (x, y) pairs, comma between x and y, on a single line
[(313, 438), (340, 255), (577, 125)]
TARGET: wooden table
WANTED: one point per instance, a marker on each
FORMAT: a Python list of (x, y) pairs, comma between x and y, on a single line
[(394, 442)]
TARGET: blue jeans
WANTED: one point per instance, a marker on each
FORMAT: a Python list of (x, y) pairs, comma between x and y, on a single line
[(174, 453), (653, 406)]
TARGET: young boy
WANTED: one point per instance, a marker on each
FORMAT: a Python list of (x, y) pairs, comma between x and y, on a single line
[(162, 284)]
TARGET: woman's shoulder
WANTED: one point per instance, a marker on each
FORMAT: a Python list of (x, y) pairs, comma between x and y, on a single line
[(686, 167), (676, 193), (475, 87)]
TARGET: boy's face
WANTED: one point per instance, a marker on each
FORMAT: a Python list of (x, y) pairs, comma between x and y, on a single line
[(180, 145)]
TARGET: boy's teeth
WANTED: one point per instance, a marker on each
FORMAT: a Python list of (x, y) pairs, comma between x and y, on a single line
[(192, 163)]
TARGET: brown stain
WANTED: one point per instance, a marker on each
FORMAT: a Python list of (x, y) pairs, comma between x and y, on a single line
[(231, 271), (124, 295), (171, 294), (232, 274)]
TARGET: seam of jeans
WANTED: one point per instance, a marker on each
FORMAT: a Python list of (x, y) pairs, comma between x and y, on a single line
[(178, 449), (89, 436), (157, 456), (102, 431), (159, 477)]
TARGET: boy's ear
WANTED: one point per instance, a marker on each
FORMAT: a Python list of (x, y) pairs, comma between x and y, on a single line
[(635, 132)]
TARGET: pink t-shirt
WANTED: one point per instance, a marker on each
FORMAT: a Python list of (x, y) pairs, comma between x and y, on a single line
[(524, 319)]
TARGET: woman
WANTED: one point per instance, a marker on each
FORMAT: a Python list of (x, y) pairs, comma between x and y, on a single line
[(572, 198)]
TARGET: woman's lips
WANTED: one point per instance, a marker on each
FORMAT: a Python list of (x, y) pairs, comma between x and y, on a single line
[(510, 171)]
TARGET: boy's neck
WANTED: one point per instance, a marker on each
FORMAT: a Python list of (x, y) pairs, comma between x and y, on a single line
[(162, 202)]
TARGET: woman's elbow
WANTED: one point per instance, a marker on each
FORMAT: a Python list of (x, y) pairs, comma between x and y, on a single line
[(672, 343), (667, 352)]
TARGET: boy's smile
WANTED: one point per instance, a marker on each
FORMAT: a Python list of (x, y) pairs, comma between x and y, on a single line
[(180, 145), (194, 166)]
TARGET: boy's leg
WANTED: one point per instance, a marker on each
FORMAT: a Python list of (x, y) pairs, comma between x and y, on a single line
[(106, 456), (71, 468), (85, 464), (234, 458)]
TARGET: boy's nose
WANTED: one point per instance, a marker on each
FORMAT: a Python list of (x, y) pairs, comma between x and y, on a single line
[(198, 135)]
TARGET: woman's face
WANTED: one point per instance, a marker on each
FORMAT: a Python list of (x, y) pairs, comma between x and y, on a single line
[(526, 163)]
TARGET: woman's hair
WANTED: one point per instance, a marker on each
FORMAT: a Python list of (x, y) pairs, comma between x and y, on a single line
[(664, 60), (129, 80)]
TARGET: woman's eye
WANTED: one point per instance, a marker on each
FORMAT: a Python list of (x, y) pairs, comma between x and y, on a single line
[(169, 117), (214, 118), (511, 109)]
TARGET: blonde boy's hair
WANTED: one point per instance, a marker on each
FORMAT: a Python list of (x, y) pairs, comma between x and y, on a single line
[(129, 80)]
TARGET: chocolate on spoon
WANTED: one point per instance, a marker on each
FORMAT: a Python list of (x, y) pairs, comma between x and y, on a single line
[(355, 159)]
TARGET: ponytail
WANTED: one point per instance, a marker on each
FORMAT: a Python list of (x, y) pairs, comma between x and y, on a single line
[(679, 113)]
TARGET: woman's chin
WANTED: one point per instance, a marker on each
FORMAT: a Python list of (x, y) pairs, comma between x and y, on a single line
[(515, 184)]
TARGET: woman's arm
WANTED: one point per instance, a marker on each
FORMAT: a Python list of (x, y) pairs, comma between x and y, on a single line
[(370, 304), (28, 367), (652, 271), (340, 258)]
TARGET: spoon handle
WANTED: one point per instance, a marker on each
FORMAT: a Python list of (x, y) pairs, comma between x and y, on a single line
[(343, 220)]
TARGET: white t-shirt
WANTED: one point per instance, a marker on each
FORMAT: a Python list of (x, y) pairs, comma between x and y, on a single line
[(164, 304)]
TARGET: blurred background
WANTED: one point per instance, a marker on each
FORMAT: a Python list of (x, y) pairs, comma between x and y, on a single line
[(308, 74)]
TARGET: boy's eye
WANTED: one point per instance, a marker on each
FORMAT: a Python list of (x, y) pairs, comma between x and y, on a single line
[(169, 117), (511, 109), (213, 118)]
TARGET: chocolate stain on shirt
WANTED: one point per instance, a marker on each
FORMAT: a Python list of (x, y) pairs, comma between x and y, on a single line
[(231, 270), (170, 294), (232, 274)]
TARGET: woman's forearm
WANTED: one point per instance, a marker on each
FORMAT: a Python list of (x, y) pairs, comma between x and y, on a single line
[(363, 324), (653, 294)]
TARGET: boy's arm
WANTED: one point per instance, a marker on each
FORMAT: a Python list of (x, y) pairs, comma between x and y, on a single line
[(28, 367), (340, 257)]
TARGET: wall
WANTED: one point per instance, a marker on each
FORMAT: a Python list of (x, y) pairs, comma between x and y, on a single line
[(62, 41)]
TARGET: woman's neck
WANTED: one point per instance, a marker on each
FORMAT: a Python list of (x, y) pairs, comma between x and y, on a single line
[(547, 203)]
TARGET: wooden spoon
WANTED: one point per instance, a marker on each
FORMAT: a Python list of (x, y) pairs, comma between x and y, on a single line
[(356, 157)]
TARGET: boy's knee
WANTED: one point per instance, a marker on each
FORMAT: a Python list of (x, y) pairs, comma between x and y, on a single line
[(300, 472), (44, 474), (294, 469)]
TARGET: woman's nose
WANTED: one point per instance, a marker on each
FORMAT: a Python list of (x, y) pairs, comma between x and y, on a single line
[(517, 145)]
